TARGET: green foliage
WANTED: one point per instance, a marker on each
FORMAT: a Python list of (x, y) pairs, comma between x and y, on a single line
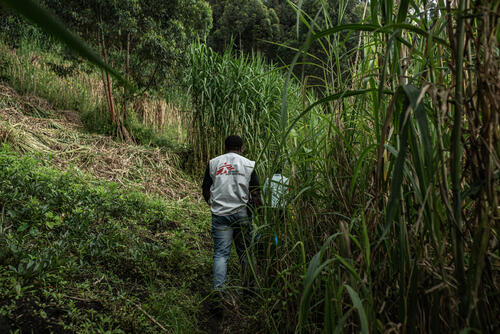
[(32, 11), (235, 95), (271, 27), (249, 23), (157, 33), (164, 139), (146, 40), (14, 28), (81, 254), (371, 165)]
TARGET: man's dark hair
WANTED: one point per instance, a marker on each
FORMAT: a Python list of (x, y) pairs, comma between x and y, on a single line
[(233, 143)]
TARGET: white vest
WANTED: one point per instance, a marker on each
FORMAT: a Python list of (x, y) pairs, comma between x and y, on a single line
[(230, 175)]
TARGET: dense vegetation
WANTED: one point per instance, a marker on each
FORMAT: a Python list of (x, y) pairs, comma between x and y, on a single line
[(386, 121), (56, 280)]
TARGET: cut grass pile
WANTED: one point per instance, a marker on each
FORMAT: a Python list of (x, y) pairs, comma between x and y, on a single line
[(25, 126)]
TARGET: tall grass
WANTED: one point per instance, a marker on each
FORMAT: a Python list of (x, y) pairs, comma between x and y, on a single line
[(386, 179), (393, 211), (28, 70), (234, 94)]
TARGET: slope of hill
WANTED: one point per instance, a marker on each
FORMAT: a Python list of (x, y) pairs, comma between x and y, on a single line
[(95, 236), (30, 124)]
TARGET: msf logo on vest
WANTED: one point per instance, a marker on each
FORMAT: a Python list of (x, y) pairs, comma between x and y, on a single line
[(225, 169)]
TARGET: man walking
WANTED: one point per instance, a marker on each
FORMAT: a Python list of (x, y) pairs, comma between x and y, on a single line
[(229, 183)]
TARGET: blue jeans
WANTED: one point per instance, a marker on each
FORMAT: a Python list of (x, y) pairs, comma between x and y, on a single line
[(224, 229)]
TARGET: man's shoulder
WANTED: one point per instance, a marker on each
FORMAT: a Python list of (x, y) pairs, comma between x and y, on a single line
[(232, 155), (218, 157), (215, 158), (246, 160)]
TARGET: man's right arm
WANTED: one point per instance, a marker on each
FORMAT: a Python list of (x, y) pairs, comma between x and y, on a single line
[(207, 183)]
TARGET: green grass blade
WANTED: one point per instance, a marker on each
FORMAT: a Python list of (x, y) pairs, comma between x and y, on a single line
[(366, 242), (403, 11), (374, 11), (349, 267), (328, 317), (313, 270), (423, 124), (359, 164), (397, 176), (498, 33), (341, 323), (334, 97), (379, 29), (365, 329)]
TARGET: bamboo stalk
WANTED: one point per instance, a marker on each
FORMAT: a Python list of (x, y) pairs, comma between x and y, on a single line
[(456, 161)]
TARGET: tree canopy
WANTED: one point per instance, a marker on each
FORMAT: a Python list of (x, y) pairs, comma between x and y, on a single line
[(156, 32)]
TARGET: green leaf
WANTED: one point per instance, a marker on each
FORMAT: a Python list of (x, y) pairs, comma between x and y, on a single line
[(425, 134), (498, 34), (49, 23), (374, 11), (313, 270), (378, 29), (398, 172), (403, 11), (348, 267), (329, 308), (366, 241), (23, 227), (34, 231), (339, 329), (365, 329)]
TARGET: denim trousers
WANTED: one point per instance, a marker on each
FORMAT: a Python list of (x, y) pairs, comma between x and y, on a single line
[(225, 229)]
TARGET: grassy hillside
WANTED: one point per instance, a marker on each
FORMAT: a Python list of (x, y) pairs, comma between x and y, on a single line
[(95, 236), (83, 255), (30, 124)]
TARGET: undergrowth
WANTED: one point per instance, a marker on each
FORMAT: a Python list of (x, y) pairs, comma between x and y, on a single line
[(82, 255)]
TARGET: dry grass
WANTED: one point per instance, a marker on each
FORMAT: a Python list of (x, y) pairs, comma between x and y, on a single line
[(159, 114), (30, 124)]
